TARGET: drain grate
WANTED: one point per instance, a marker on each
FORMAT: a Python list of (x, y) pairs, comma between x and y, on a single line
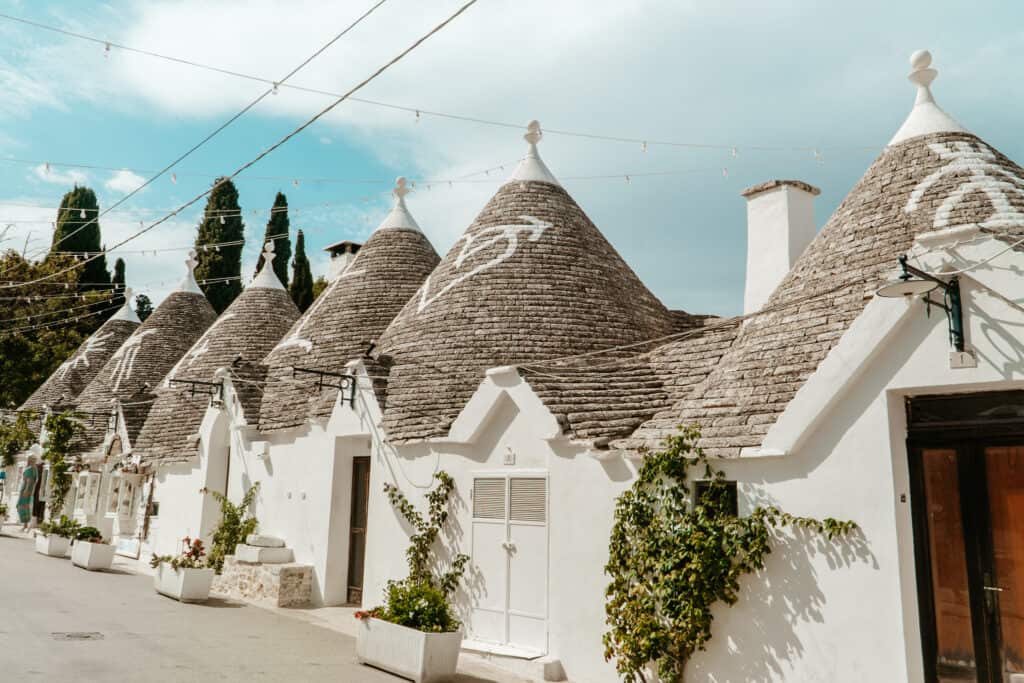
[(78, 635)]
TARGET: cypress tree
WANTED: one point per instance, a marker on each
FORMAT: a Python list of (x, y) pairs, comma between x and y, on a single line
[(278, 225), (118, 282), (222, 222), (302, 277), (143, 306), (77, 230)]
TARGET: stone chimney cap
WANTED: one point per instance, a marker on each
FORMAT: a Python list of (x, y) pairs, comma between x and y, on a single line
[(772, 184)]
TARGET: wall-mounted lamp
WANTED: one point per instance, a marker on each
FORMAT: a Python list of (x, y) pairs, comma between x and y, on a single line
[(914, 282)]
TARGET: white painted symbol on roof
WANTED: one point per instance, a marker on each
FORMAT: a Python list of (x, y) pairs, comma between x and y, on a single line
[(475, 243), (125, 357), (984, 175), (198, 349), (95, 343)]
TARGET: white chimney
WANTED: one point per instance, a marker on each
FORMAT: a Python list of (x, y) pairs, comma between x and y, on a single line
[(780, 225), (342, 254)]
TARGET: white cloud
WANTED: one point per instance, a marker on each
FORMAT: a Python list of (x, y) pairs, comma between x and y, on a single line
[(124, 181), (324, 140), (51, 174)]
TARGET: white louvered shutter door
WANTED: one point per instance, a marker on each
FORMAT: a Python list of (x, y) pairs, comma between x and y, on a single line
[(528, 563), (490, 532)]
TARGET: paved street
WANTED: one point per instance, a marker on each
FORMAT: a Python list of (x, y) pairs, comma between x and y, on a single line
[(143, 636)]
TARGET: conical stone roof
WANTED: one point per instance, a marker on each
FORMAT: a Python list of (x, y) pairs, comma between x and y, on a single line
[(133, 372), (353, 311), (67, 381), (531, 279), (945, 179), (243, 334)]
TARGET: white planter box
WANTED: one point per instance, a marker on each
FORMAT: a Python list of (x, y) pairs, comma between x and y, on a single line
[(54, 546), (185, 585), (92, 556), (406, 652)]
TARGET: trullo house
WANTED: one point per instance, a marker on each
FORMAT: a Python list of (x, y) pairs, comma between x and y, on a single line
[(109, 492), (169, 446)]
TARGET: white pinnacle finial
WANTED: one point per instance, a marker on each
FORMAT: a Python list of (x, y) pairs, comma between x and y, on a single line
[(267, 278), (926, 117), (126, 312), (532, 167), (189, 284), (401, 188)]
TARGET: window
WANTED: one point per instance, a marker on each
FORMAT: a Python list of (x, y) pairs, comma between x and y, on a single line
[(489, 498), (702, 486)]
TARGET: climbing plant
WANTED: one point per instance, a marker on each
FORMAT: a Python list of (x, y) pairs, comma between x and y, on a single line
[(420, 552), (236, 523), (672, 559), (15, 436), (60, 431)]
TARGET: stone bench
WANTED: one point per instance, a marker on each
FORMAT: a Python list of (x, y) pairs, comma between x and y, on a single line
[(279, 585)]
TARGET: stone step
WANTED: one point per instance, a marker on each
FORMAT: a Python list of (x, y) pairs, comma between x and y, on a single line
[(262, 555), (262, 541)]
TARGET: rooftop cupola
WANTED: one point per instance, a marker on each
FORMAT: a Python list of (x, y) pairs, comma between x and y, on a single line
[(532, 167), (926, 116), (267, 278)]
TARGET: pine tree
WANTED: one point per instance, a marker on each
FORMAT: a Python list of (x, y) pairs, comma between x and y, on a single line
[(222, 222), (118, 281), (278, 225), (78, 230), (302, 277)]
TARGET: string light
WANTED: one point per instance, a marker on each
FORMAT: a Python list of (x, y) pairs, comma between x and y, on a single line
[(419, 111)]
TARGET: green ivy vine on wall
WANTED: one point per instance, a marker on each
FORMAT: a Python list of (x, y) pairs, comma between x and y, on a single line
[(672, 559), (60, 431)]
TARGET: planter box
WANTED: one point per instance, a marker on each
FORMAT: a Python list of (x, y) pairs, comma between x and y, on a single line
[(184, 585), (54, 546), (406, 652), (92, 556)]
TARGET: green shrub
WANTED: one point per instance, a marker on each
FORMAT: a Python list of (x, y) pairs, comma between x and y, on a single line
[(192, 557), (235, 525), (65, 527), (419, 605), (89, 534)]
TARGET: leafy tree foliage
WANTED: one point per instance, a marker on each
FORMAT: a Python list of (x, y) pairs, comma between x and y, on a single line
[(319, 285), (118, 282), (143, 306), (235, 524), (30, 352), (16, 435), (278, 225), (77, 230), (301, 289), (672, 559), (222, 222)]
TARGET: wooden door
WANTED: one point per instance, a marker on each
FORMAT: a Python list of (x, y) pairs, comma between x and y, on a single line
[(357, 527)]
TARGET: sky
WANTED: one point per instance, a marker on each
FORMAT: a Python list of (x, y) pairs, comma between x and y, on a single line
[(754, 90)]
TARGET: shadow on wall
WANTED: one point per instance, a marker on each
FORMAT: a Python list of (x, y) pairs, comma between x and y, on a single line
[(759, 633)]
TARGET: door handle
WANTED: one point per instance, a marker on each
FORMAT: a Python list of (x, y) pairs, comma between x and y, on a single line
[(508, 545), (996, 589)]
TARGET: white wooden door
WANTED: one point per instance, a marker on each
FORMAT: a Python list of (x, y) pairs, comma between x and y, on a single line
[(510, 550)]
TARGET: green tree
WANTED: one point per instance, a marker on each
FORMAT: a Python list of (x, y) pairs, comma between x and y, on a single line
[(38, 329), (276, 226), (143, 306), (222, 222), (118, 282), (301, 288), (236, 523), (319, 285), (78, 230)]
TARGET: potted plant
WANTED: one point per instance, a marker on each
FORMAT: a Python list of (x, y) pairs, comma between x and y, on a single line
[(185, 577), (3, 512), (54, 538), (89, 551), (415, 634)]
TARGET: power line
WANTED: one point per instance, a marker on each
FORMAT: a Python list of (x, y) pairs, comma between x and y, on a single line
[(323, 112), (418, 112), (231, 120)]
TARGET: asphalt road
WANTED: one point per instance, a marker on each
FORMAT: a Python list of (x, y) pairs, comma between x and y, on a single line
[(143, 636)]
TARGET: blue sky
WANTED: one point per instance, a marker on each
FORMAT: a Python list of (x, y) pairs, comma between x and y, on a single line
[(797, 74)]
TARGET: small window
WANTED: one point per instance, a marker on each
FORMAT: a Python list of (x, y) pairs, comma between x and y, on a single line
[(489, 498), (701, 487), (154, 508), (528, 499)]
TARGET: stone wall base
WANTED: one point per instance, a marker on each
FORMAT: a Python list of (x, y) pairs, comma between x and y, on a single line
[(280, 585)]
